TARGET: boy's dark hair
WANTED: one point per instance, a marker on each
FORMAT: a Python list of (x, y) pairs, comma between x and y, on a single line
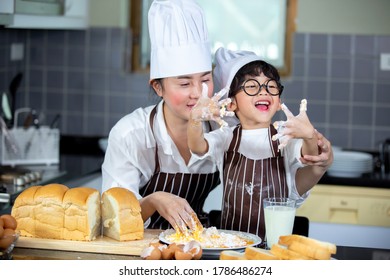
[(254, 68)]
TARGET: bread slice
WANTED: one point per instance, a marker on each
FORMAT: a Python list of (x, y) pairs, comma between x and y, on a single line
[(254, 253), (314, 252), (287, 240), (232, 255), (121, 215), (284, 253), (82, 214)]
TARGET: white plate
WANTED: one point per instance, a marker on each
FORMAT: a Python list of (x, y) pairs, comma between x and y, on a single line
[(215, 252)]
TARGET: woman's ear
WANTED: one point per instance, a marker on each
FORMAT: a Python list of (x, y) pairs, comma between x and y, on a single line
[(156, 85)]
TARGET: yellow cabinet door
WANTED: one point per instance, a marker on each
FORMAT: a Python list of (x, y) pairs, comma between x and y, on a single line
[(316, 208)]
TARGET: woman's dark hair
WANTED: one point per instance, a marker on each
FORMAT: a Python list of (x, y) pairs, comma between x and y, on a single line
[(254, 68)]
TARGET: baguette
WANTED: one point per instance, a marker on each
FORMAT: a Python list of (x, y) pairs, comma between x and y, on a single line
[(232, 255), (287, 240), (286, 254), (254, 253)]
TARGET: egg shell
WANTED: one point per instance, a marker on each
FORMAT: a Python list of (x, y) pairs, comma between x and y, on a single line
[(151, 253), (194, 248), (1, 223), (7, 239), (181, 255), (197, 253), (9, 221), (168, 253), (1, 231), (155, 244)]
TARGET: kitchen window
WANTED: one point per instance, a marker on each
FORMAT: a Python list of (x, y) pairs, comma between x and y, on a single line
[(263, 26)]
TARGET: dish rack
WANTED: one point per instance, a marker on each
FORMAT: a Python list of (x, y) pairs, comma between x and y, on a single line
[(32, 145)]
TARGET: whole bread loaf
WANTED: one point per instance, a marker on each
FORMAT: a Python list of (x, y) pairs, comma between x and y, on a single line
[(121, 215), (56, 212)]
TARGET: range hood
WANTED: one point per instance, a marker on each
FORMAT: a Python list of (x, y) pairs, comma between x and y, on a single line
[(44, 14)]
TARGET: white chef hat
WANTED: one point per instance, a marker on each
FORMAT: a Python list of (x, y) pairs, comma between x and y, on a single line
[(227, 64), (179, 39)]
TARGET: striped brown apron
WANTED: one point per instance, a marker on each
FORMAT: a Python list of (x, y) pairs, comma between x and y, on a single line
[(194, 187), (247, 182)]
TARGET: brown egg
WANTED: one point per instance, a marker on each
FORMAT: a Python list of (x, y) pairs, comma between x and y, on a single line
[(181, 255), (9, 221), (168, 253), (151, 253), (7, 239), (173, 246), (1, 231)]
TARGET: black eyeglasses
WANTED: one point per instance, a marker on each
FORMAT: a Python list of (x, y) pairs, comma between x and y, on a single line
[(252, 87)]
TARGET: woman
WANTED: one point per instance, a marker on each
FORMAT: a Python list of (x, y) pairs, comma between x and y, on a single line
[(147, 149)]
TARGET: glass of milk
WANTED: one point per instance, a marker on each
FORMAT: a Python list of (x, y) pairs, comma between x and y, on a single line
[(279, 213)]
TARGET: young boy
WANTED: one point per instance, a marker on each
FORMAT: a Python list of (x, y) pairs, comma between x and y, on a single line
[(252, 165)]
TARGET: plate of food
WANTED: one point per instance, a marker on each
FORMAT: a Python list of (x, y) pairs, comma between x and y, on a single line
[(212, 240)]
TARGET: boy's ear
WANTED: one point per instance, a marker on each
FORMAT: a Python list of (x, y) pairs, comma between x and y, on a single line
[(280, 105), (232, 106)]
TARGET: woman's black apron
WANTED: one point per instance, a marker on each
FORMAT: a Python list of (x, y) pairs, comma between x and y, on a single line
[(194, 187)]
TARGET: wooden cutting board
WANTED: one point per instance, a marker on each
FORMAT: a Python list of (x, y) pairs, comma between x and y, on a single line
[(102, 244)]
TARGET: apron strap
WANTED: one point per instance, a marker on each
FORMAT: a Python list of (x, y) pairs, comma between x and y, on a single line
[(274, 144), (151, 122), (236, 140)]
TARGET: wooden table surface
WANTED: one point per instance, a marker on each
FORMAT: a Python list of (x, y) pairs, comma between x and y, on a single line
[(103, 248)]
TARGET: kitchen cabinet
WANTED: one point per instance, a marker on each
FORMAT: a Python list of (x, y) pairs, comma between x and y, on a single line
[(67, 14), (348, 205)]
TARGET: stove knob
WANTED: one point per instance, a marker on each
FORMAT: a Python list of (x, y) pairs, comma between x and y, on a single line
[(27, 179), (31, 176), (19, 181), (38, 175)]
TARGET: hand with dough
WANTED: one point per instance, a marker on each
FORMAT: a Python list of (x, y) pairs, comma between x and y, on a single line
[(213, 108), (294, 127)]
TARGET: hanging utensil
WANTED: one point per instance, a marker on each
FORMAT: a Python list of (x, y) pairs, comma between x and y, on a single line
[(6, 107), (13, 87), (54, 122), (9, 140)]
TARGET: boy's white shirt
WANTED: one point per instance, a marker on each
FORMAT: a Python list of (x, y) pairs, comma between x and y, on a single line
[(255, 140)]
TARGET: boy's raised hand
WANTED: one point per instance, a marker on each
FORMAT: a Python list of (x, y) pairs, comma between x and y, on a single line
[(294, 127)]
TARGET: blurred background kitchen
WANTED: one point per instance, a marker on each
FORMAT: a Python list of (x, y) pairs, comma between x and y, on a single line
[(79, 75)]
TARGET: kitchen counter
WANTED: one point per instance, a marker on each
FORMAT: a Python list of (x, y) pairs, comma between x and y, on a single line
[(104, 248), (367, 180), (343, 253)]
